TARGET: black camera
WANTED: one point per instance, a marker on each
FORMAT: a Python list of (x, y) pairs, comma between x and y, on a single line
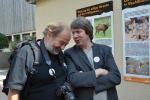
[(66, 90)]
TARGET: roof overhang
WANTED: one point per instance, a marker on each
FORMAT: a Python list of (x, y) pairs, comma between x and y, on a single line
[(31, 1)]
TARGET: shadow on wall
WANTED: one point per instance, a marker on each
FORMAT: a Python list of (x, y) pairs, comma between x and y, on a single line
[(4, 59)]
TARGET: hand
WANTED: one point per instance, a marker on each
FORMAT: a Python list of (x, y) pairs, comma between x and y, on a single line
[(101, 72), (13, 94)]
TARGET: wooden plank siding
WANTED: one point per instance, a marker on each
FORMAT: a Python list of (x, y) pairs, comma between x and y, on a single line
[(16, 16)]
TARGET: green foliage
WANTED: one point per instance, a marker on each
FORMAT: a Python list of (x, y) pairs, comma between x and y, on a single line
[(3, 41), (13, 45)]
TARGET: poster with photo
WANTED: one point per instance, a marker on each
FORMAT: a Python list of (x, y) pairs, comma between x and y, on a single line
[(101, 17), (136, 41)]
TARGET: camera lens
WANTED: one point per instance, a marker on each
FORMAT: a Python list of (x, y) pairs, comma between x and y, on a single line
[(66, 90), (69, 96)]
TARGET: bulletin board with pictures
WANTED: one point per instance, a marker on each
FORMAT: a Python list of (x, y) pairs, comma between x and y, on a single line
[(136, 42), (101, 18)]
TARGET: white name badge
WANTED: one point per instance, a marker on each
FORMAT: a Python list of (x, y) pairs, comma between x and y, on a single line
[(96, 59), (51, 71)]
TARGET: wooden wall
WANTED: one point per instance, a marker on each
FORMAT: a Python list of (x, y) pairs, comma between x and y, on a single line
[(16, 16)]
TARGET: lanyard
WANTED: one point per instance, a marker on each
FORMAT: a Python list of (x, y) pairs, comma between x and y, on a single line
[(47, 58)]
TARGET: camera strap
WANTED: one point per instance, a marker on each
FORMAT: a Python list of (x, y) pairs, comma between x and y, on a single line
[(47, 58)]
